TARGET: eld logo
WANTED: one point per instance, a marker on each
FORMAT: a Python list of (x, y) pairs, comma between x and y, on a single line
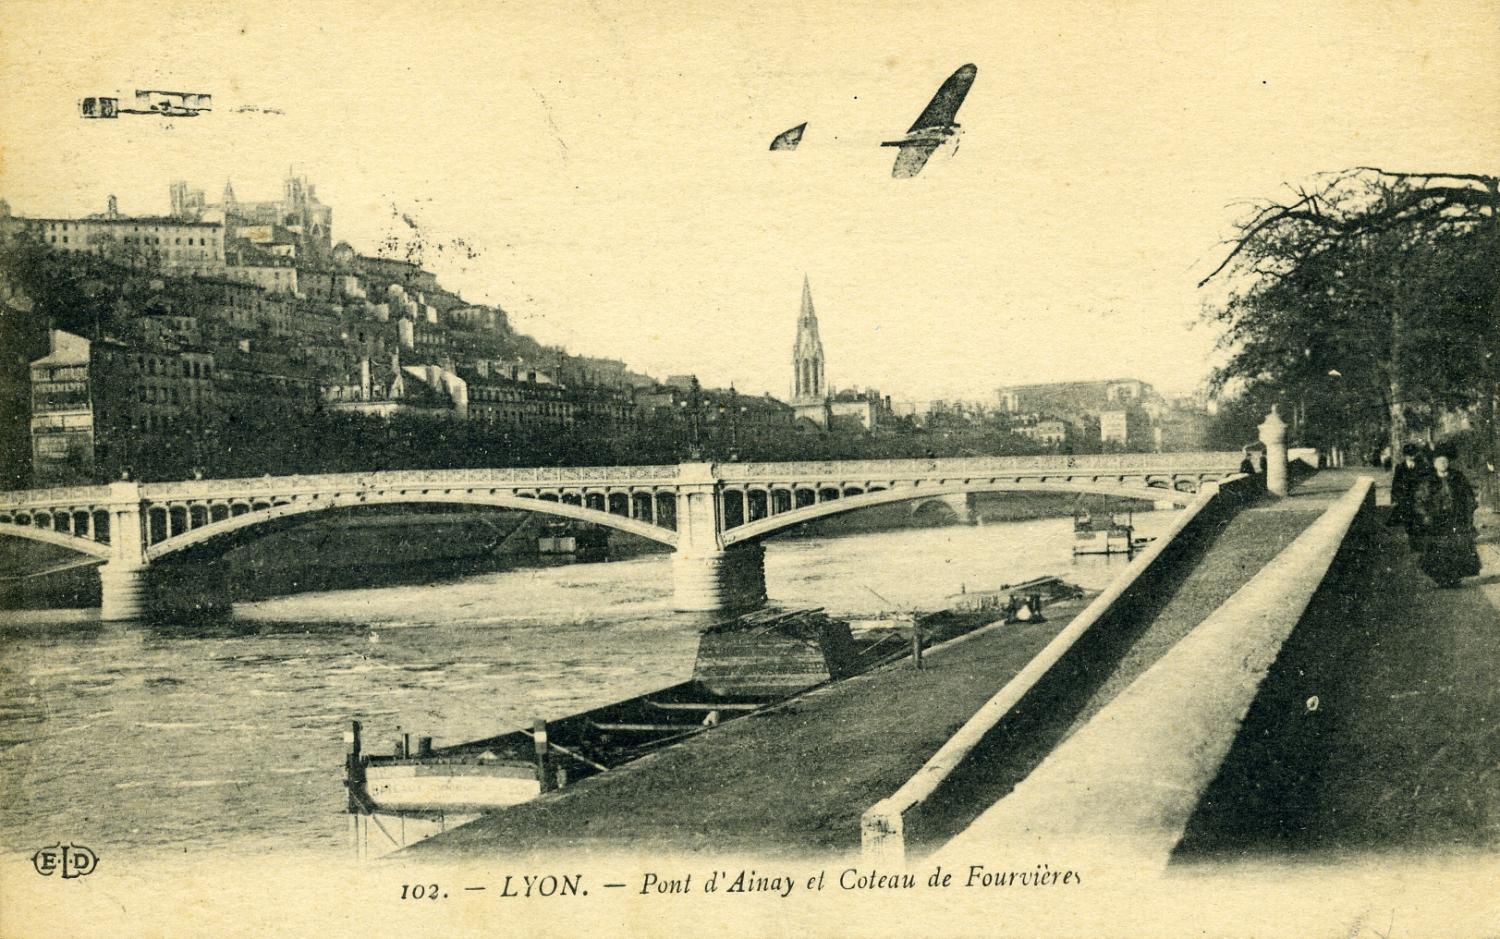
[(72, 860)]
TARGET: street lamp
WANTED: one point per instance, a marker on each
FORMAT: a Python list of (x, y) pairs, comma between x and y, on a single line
[(1338, 454)]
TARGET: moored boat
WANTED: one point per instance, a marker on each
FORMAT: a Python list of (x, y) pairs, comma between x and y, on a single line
[(742, 666)]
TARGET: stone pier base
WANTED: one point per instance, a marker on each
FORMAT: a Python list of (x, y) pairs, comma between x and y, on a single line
[(163, 591), (732, 579), (123, 591)]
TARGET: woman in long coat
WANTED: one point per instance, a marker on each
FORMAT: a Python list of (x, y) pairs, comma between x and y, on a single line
[(1445, 523)]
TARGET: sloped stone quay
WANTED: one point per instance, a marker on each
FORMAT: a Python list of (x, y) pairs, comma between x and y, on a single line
[(789, 780)]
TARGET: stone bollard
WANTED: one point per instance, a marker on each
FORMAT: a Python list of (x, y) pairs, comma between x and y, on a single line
[(1273, 435)]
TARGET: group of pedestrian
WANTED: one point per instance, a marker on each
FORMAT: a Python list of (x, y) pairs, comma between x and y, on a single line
[(1433, 501)]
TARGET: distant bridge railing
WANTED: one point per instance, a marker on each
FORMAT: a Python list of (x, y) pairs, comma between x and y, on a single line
[(1132, 463)]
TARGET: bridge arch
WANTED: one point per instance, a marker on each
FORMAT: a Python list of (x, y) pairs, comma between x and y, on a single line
[(765, 527), (98, 549), (259, 515)]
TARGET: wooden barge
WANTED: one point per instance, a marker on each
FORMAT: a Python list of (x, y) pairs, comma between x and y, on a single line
[(742, 666)]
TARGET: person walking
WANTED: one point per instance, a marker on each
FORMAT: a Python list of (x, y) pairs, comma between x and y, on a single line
[(1249, 468), (1445, 518), (1406, 481)]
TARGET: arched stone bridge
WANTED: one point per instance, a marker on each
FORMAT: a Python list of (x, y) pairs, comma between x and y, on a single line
[(714, 515)]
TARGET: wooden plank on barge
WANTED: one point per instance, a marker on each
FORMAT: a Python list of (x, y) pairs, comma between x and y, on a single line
[(708, 706)]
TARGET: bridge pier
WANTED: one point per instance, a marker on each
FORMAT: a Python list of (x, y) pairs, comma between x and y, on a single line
[(733, 578), (708, 577), (123, 591), (131, 593)]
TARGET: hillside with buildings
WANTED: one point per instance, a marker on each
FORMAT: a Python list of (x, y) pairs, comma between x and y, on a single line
[(238, 338)]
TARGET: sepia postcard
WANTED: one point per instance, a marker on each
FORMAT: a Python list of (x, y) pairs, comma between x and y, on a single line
[(790, 468)]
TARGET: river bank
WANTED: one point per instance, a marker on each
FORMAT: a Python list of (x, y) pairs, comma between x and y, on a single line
[(842, 748)]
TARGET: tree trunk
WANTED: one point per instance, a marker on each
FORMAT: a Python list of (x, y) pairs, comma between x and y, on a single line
[(1398, 393)]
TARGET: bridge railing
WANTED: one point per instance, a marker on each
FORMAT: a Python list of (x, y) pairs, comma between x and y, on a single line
[(66, 495), (988, 465), (627, 475), (453, 478)]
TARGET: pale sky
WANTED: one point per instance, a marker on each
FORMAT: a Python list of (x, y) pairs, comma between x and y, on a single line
[(608, 162)]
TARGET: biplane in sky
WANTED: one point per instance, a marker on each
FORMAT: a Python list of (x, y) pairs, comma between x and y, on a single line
[(148, 101)]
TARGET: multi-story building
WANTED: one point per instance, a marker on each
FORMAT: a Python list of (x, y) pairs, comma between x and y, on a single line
[(94, 401), (1068, 398), (1125, 408), (603, 406), (508, 394), (866, 411), (249, 379), (271, 272), (173, 245), (385, 271), (62, 411), (484, 319), (1049, 432), (1129, 428), (250, 309)]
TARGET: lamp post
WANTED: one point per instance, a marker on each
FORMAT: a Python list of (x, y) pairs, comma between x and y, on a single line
[(1336, 453)]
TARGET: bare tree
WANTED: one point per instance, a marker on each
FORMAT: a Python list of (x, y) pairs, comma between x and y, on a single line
[(1368, 273)]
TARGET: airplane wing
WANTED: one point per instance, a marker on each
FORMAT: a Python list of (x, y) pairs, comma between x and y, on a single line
[(911, 158), (788, 139), (944, 105)]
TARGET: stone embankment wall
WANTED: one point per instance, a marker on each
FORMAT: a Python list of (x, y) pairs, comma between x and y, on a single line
[(1058, 681)]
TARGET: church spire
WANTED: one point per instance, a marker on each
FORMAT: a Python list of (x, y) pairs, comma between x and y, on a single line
[(807, 354)]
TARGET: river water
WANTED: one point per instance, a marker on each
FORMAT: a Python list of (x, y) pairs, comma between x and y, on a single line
[(137, 739)]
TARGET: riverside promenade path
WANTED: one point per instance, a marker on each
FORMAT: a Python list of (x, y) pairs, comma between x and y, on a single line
[(1375, 732), (1402, 753)]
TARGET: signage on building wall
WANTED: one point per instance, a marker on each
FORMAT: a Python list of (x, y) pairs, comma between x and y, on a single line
[(69, 395)]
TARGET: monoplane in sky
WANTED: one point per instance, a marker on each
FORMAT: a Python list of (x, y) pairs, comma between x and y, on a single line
[(935, 127)]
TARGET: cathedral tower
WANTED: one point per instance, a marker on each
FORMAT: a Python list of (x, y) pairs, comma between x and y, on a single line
[(808, 383)]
